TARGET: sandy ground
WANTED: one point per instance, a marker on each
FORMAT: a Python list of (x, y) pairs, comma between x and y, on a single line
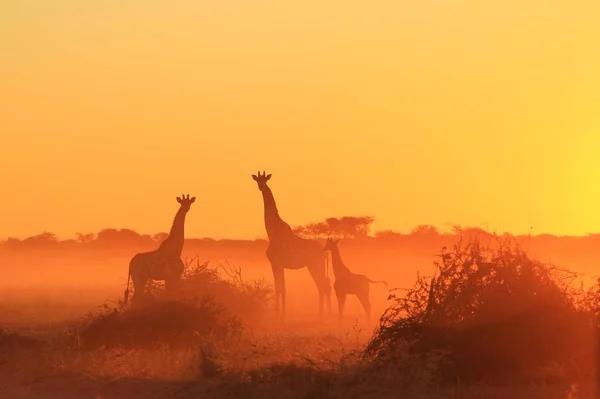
[(47, 372)]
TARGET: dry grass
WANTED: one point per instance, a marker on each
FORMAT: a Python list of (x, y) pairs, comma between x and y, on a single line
[(275, 364), (260, 364), (187, 347)]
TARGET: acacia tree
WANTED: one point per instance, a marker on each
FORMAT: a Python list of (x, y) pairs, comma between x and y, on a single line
[(45, 239), (121, 238), (425, 230), (160, 237), (387, 234), (313, 230), (343, 227), (85, 238)]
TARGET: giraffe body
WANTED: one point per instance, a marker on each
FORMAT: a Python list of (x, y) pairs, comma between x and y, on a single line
[(348, 283), (288, 251), (165, 263)]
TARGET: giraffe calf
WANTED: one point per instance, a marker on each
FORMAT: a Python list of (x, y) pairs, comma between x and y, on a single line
[(348, 283)]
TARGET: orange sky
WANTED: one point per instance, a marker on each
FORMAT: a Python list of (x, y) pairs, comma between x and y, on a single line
[(415, 112)]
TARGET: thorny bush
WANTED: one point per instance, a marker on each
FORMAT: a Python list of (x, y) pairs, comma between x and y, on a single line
[(225, 283), (161, 322), (204, 303), (491, 314)]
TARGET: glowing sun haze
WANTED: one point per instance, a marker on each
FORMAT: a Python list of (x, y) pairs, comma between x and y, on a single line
[(435, 111)]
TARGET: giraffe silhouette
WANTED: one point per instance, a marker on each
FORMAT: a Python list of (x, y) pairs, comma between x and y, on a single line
[(164, 263), (288, 251), (348, 283)]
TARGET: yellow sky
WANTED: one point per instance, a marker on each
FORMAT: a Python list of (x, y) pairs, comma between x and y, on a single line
[(431, 111)]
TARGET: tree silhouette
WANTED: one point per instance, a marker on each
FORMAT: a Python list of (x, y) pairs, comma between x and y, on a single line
[(45, 239), (85, 238), (426, 230), (313, 230), (160, 237), (351, 226), (387, 234), (121, 238), (344, 227)]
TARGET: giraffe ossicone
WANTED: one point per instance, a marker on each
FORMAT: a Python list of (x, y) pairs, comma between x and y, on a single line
[(183, 198)]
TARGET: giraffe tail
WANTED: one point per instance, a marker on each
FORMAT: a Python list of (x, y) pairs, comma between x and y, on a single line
[(377, 282)]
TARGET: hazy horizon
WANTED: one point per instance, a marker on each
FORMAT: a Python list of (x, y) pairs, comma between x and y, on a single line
[(442, 229)]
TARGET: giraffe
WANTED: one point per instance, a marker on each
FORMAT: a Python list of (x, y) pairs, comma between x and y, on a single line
[(347, 283), (289, 251), (164, 263)]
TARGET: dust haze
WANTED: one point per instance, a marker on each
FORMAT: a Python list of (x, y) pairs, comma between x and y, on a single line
[(63, 317)]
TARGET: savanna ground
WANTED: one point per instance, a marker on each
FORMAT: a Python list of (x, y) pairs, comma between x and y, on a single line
[(493, 323)]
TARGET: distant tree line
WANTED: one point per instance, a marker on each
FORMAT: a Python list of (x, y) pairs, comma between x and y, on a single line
[(346, 227), (343, 227)]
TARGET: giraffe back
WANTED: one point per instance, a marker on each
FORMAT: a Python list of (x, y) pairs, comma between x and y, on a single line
[(156, 265)]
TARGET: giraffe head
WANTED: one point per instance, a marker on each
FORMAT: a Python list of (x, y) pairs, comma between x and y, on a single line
[(330, 244), (186, 202), (261, 180)]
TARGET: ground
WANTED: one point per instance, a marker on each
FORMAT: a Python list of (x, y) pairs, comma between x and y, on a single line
[(301, 358), (44, 354)]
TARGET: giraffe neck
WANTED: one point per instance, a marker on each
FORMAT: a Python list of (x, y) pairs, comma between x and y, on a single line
[(337, 264), (274, 225), (174, 242)]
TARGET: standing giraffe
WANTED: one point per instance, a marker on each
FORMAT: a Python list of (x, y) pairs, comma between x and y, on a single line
[(288, 251), (164, 263), (348, 283)]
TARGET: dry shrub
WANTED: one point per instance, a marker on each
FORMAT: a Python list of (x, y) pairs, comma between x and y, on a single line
[(225, 283), (308, 380), (15, 340), (492, 314), (203, 304), (283, 365), (590, 300), (160, 322)]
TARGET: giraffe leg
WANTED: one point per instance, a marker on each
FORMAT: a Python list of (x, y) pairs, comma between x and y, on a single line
[(139, 288), (178, 269), (363, 297), (171, 284), (341, 298), (328, 296), (279, 281), (174, 273), (317, 272)]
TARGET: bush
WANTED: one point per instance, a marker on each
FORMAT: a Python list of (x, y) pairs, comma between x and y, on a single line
[(12, 340), (247, 299), (492, 314), (161, 322), (203, 304)]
